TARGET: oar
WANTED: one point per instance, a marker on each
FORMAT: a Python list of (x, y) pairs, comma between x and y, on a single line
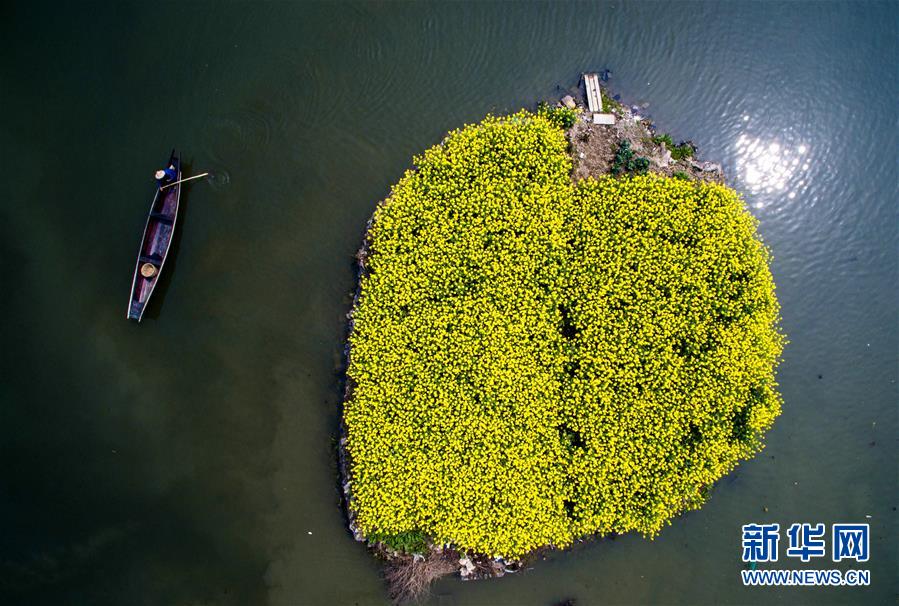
[(187, 179)]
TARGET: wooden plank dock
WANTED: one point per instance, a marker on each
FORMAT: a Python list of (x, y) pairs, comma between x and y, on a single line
[(594, 100), (594, 95)]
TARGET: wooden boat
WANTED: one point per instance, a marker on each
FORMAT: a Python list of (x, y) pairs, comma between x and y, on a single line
[(154, 246)]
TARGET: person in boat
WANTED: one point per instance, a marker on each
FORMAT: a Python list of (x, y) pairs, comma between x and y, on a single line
[(166, 174)]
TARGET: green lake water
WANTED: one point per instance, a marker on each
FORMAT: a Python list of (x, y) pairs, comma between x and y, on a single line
[(190, 460)]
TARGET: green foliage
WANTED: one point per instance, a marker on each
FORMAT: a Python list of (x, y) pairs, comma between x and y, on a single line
[(663, 138), (609, 103), (412, 541), (679, 174), (535, 361), (640, 165), (626, 162), (678, 152), (682, 151), (563, 117)]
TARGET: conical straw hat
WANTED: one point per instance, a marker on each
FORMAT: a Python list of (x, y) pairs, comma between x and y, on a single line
[(148, 270)]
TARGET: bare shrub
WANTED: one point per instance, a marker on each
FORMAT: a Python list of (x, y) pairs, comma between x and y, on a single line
[(409, 578)]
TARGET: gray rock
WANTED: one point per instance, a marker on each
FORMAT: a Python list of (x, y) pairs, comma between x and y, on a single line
[(466, 566), (665, 159), (568, 101)]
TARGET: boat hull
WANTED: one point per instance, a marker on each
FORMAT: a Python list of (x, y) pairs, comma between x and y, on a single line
[(159, 231)]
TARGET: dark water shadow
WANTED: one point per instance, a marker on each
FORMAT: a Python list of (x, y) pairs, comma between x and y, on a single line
[(154, 306), (15, 263)]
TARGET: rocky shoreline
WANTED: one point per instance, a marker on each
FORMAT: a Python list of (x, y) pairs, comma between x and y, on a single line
[(593, 148)]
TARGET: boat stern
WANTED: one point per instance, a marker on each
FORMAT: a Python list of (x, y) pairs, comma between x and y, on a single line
[(135, 310)]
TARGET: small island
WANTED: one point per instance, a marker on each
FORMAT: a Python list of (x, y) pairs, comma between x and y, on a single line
[(564, 328)]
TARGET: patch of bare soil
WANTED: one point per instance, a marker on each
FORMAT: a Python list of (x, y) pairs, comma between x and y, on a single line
[(593, 147)]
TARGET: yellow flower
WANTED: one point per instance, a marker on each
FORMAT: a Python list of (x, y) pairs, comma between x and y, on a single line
[(533, 360)]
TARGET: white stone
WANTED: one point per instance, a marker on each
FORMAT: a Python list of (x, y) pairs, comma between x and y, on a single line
[(665, 160), (603, 118)]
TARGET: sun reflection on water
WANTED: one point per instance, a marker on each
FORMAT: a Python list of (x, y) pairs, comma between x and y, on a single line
[(767, 166)]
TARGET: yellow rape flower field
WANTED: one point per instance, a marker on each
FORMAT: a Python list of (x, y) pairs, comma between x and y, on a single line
[(534, 361)]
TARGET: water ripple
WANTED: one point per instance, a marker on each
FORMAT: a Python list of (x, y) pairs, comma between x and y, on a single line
[(242, 129), (219, 178)]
